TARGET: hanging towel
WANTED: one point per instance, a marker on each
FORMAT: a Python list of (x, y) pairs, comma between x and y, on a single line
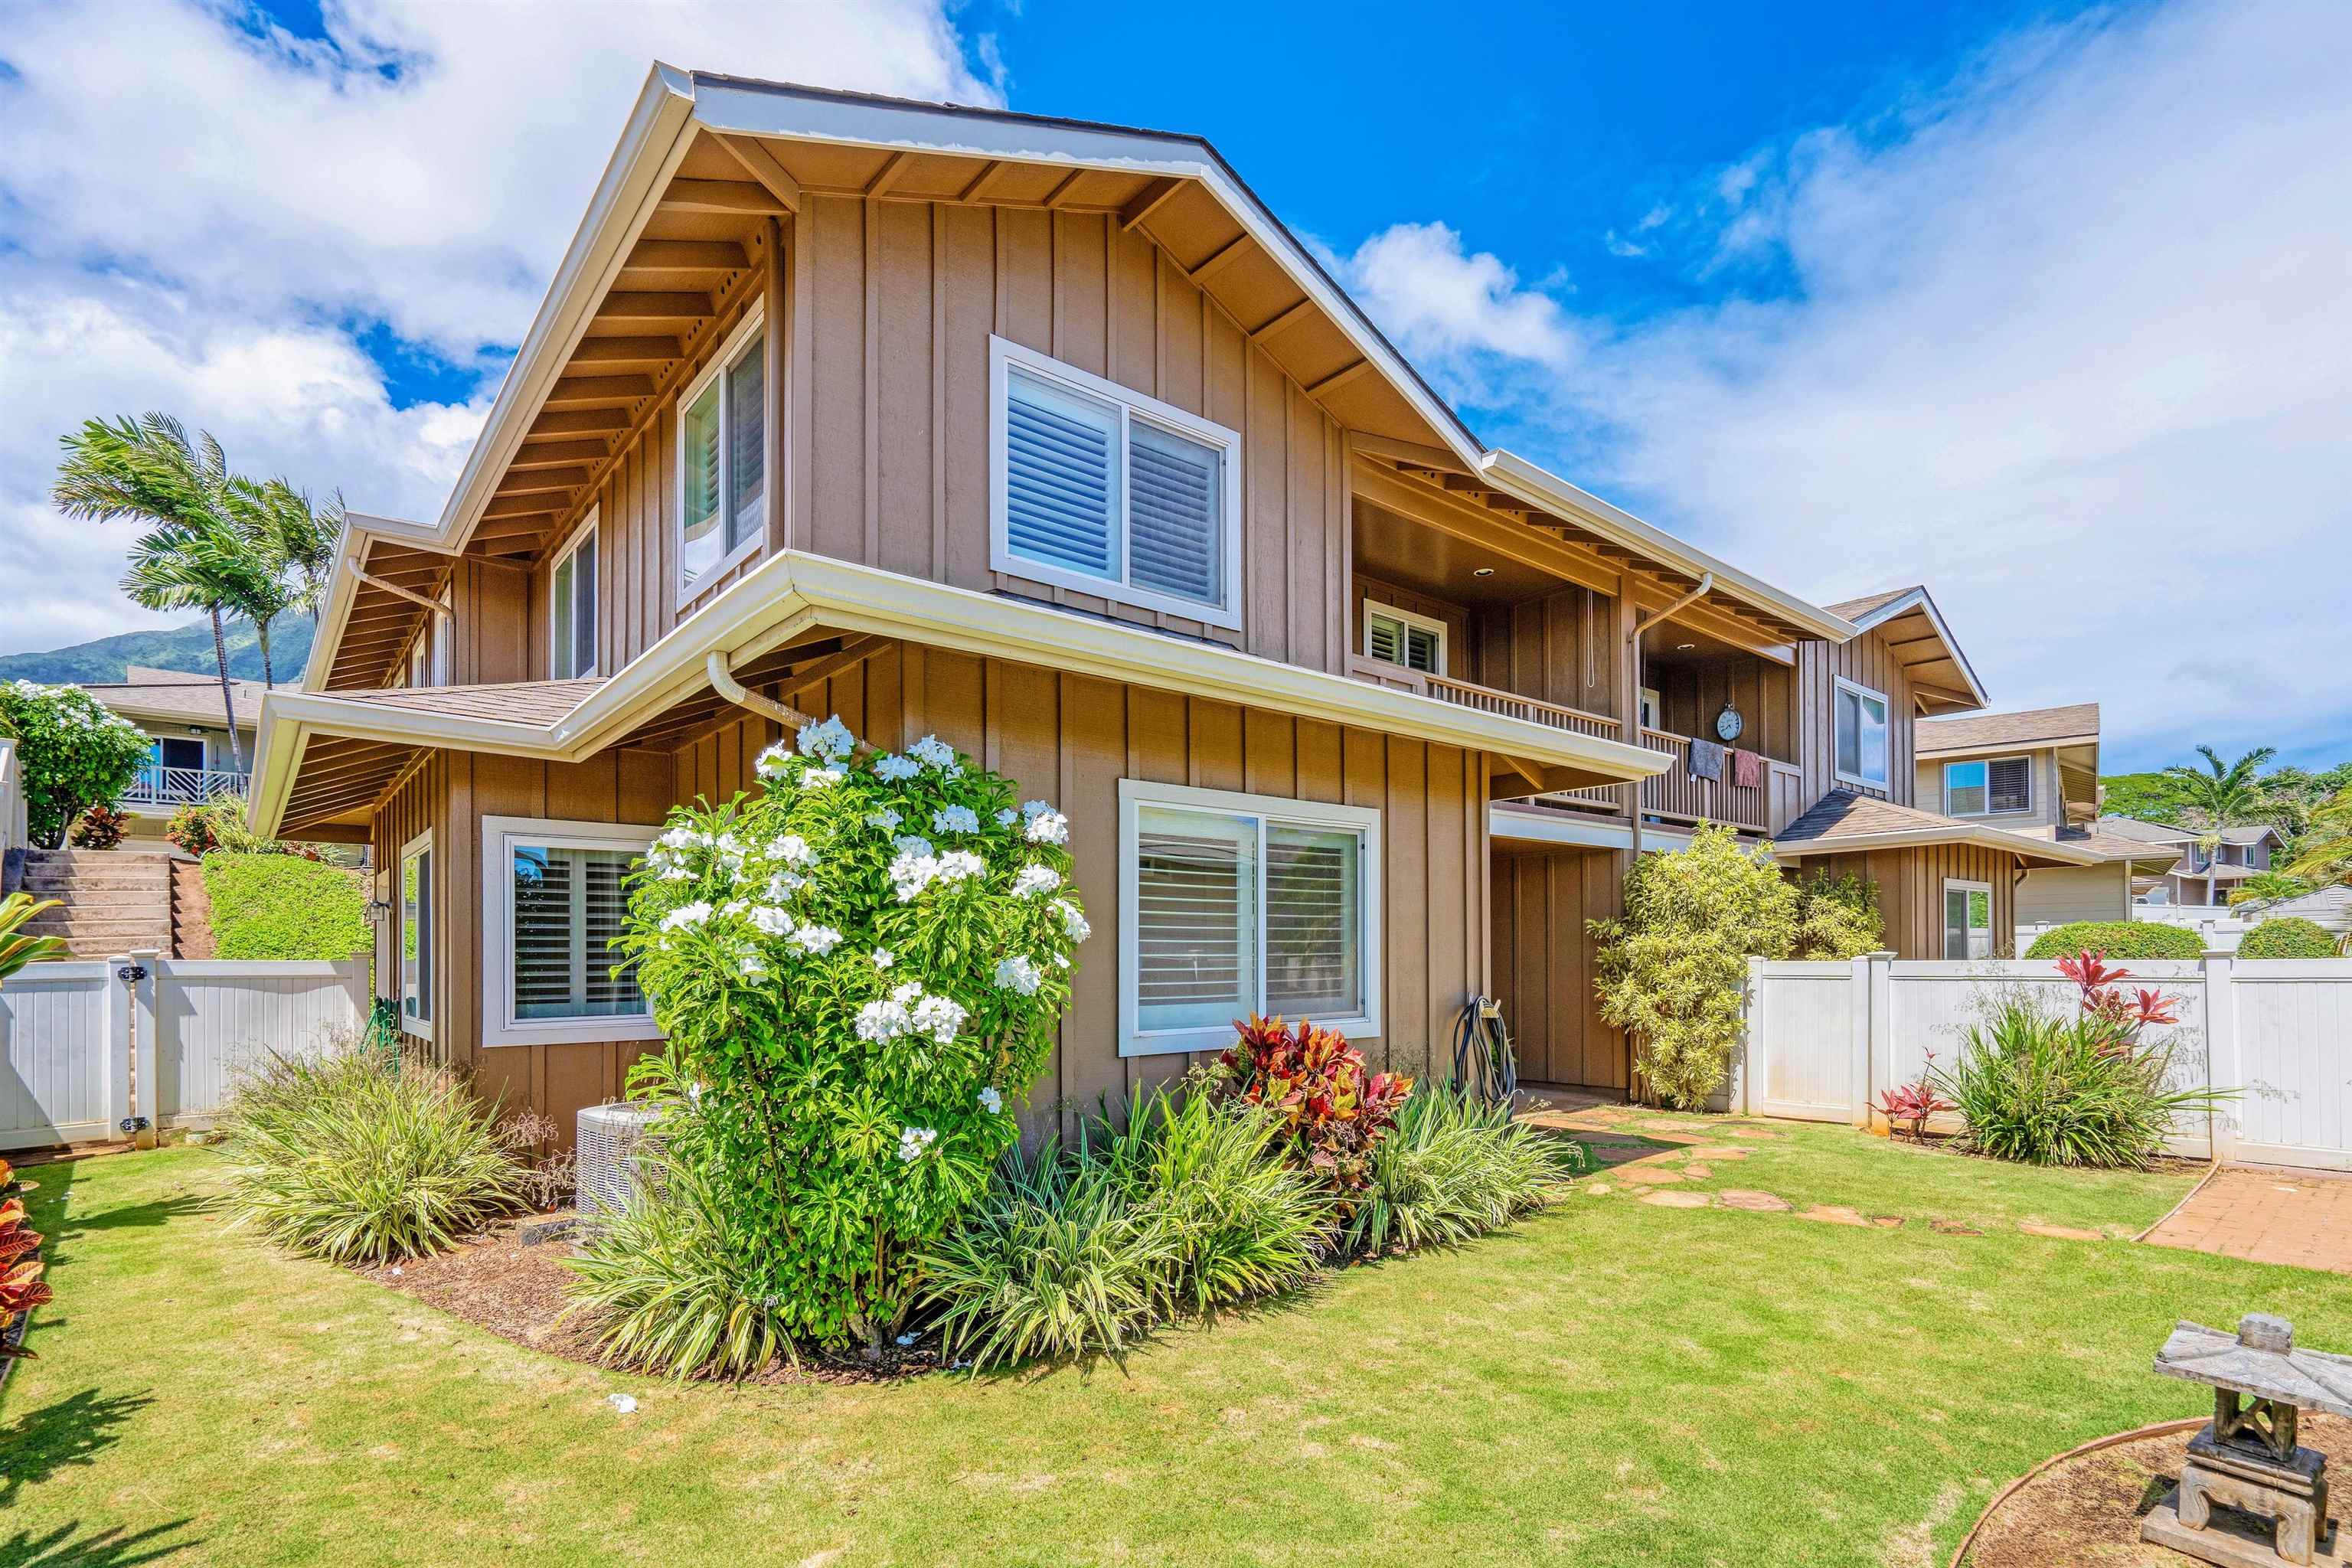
[(1706, 761), (1746, 769)]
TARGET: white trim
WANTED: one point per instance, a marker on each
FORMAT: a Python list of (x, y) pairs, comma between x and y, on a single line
[(1886, 719), (1004, 354), (421, 1026), (1136, 794), (1959, 831), (1925, 602), (2032, 793), (568, 549), (1944, 917), (1403, 617), (1651, 707), (1542, 825), (499, 1026), (754, 319)]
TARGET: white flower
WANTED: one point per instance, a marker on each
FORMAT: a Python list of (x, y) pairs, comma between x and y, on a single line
[(955, 819), (828, 742), (818, 940), (772, 921), (1062, 959), (883, 958), (677, 874), (680, 839), (932, 752), (913, 1142), (883, 1020), (1035, 879), (1018, 973), (910, 844), (734, 906), (884, 819), (1005, 817), (1074, 924), (958, 864), (685, 915), (937, 1017), (774, 762), (1049, 827), (990, 1101), (907, 995), (822, 778), (754, 966), (892, 768), (911, 873), (784, 884), (791, 850)]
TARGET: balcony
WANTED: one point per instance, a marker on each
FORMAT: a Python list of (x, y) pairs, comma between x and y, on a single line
[(159, 788)]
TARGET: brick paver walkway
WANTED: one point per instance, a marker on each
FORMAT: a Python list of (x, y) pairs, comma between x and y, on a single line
[(2302, 1217)]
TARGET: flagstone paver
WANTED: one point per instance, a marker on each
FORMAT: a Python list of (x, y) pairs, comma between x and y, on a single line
[(1657, 1176), (1834, 1214), (1754, 1202), (1718, 1152), (2300, 1218), (1676, 1200), (1697, 1172)]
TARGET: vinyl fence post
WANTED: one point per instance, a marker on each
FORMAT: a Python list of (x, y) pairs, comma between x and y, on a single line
[(2225, 1058), (1746, 1065), (1858, 1063), (116, 1009), (151, 1054), (1882, 1030)]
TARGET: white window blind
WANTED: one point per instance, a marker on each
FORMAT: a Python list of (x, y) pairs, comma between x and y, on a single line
[(1173, 493), (722, 432), (2012, 784), (1395, 640), (1313, 937), (568, 907), (1860, 734), (1197, 919), (572, 611), (1061, 477), (1978, 789)]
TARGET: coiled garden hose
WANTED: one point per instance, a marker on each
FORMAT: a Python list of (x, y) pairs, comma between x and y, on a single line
[(1484, 1062)]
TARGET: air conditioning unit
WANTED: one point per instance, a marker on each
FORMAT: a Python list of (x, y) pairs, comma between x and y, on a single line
[(608, 1169)]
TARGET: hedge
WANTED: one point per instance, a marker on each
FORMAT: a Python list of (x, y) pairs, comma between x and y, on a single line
[(282, 906), (2288, 936), (2119, 939)]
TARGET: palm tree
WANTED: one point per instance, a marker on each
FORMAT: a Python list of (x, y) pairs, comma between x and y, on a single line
[(303, 538), (2222, 795), (2325, 854), (204, 567)]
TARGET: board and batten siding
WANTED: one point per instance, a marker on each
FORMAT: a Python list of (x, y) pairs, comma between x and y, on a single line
[(1065, 738), (2057, 894), (1866, 661), (1911, 891), (1543, 962)]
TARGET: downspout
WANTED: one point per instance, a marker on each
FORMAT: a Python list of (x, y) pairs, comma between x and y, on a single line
[(723, 681), (1634, 656)]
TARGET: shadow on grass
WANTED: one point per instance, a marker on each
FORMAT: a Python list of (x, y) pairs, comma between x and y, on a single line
[(68, 1547), (68, 1228), (70, 1431)]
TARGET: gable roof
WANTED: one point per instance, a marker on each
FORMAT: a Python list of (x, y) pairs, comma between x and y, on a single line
[(2329, 905), (2075, 724), (2169, 833), (178, 696), (1843, 822), (1942, 679)]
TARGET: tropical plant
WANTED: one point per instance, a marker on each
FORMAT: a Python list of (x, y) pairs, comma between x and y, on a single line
[(2323, 855), (22, 1288), (2219, 794), (100, 826), (2288, 936), (2119, 940), (1455, 1168), (1911, 1104), (74, 754), (1331, 1107), (362, 1156), (1837, 917), (856, 972), (300, 537), (2267, 887), (1671, 971), (16, 949)]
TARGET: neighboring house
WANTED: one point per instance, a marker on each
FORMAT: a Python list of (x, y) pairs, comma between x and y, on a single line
[(191, 759), (1047, 437), (2198, 874), (2036, 771), (2330, 907)]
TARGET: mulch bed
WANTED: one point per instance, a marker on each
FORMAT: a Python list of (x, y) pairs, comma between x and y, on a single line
[(2085, 1511)]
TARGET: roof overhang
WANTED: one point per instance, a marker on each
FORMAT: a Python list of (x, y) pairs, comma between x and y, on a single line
[(2041, 851), (1933, 649), (792, 596), (1927, 753)]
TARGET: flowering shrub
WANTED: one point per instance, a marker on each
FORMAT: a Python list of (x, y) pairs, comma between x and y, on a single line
[(2113, 1016), (857, 971), (1911, 1104), (100, 827), (74, 752), (1333, 1108)]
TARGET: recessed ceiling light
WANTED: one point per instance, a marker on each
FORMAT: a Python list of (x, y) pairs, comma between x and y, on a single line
[(1482, 572), (1684, 646)]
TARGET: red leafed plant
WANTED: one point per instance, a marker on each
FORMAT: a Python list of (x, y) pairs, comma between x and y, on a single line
[(1334, 1107), (1915, 1102), (2120, 1016), (21, 1285)]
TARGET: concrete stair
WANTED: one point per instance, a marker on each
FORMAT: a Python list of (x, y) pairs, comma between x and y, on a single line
[(112, 901)]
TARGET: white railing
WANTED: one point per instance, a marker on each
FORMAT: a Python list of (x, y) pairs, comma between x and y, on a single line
[(159, 785)]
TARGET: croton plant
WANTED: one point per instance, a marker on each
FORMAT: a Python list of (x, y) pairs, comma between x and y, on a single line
[(1334, 1109), (21, 1285)]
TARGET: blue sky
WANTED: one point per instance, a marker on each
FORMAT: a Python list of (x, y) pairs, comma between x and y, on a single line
[(1855, 295)]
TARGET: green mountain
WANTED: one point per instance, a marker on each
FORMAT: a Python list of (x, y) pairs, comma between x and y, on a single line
[(188, 647)]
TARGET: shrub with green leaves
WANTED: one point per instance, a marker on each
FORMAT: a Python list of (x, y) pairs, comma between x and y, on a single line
[(74, 754), (2119, 939), (1837, 917), (364, 1156), (2288, 936), (1671, 969), (858, 971), (2064, 1091), (1455, 1167), (281, 906)]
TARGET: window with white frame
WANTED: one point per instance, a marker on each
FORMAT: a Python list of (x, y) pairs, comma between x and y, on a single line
[(553, 899), (571, 606), (1233, 904), (722, 456), (1992, 787), (416, 917), (1096, 486), (1652, 706), (1862, 738), (1967, 919), (1398, 636)]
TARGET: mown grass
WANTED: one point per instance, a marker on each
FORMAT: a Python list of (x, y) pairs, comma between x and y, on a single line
[(1609, 1384)]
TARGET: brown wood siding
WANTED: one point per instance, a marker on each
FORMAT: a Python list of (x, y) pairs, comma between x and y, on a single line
[(1063, 737), (1543, 961), (1691, 694), (1866, 661), (1911, 893), (1562, 648)]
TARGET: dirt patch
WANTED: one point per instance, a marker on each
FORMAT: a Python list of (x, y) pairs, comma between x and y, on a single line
[(2085, 1511)]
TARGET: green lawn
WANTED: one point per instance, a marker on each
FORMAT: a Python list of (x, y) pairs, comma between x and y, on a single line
[(1612, 1384)]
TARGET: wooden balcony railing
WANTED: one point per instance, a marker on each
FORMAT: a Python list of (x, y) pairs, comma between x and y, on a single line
[(1485, 698)]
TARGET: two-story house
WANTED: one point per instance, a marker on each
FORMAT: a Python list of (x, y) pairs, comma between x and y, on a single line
[(1048, 439), (2198, 873), (191, 758), (2036, 771)]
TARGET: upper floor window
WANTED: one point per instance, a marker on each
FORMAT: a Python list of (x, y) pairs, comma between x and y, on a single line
[(1861, 735), (572, 607), (1400, 637), (1988, 788), (723, 459), (1100, 489)]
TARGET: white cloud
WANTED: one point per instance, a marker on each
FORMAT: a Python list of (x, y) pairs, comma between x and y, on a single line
[(205, 220), (1464, 316), (2070, 340)]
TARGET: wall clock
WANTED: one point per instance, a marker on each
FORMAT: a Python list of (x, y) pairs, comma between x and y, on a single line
[(1728, 724)]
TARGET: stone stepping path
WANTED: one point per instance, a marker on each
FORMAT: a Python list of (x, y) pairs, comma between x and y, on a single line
[(1676, 1200)]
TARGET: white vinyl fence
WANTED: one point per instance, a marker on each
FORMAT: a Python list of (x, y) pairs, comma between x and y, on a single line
[(85, 1044), (1825, 1040)]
